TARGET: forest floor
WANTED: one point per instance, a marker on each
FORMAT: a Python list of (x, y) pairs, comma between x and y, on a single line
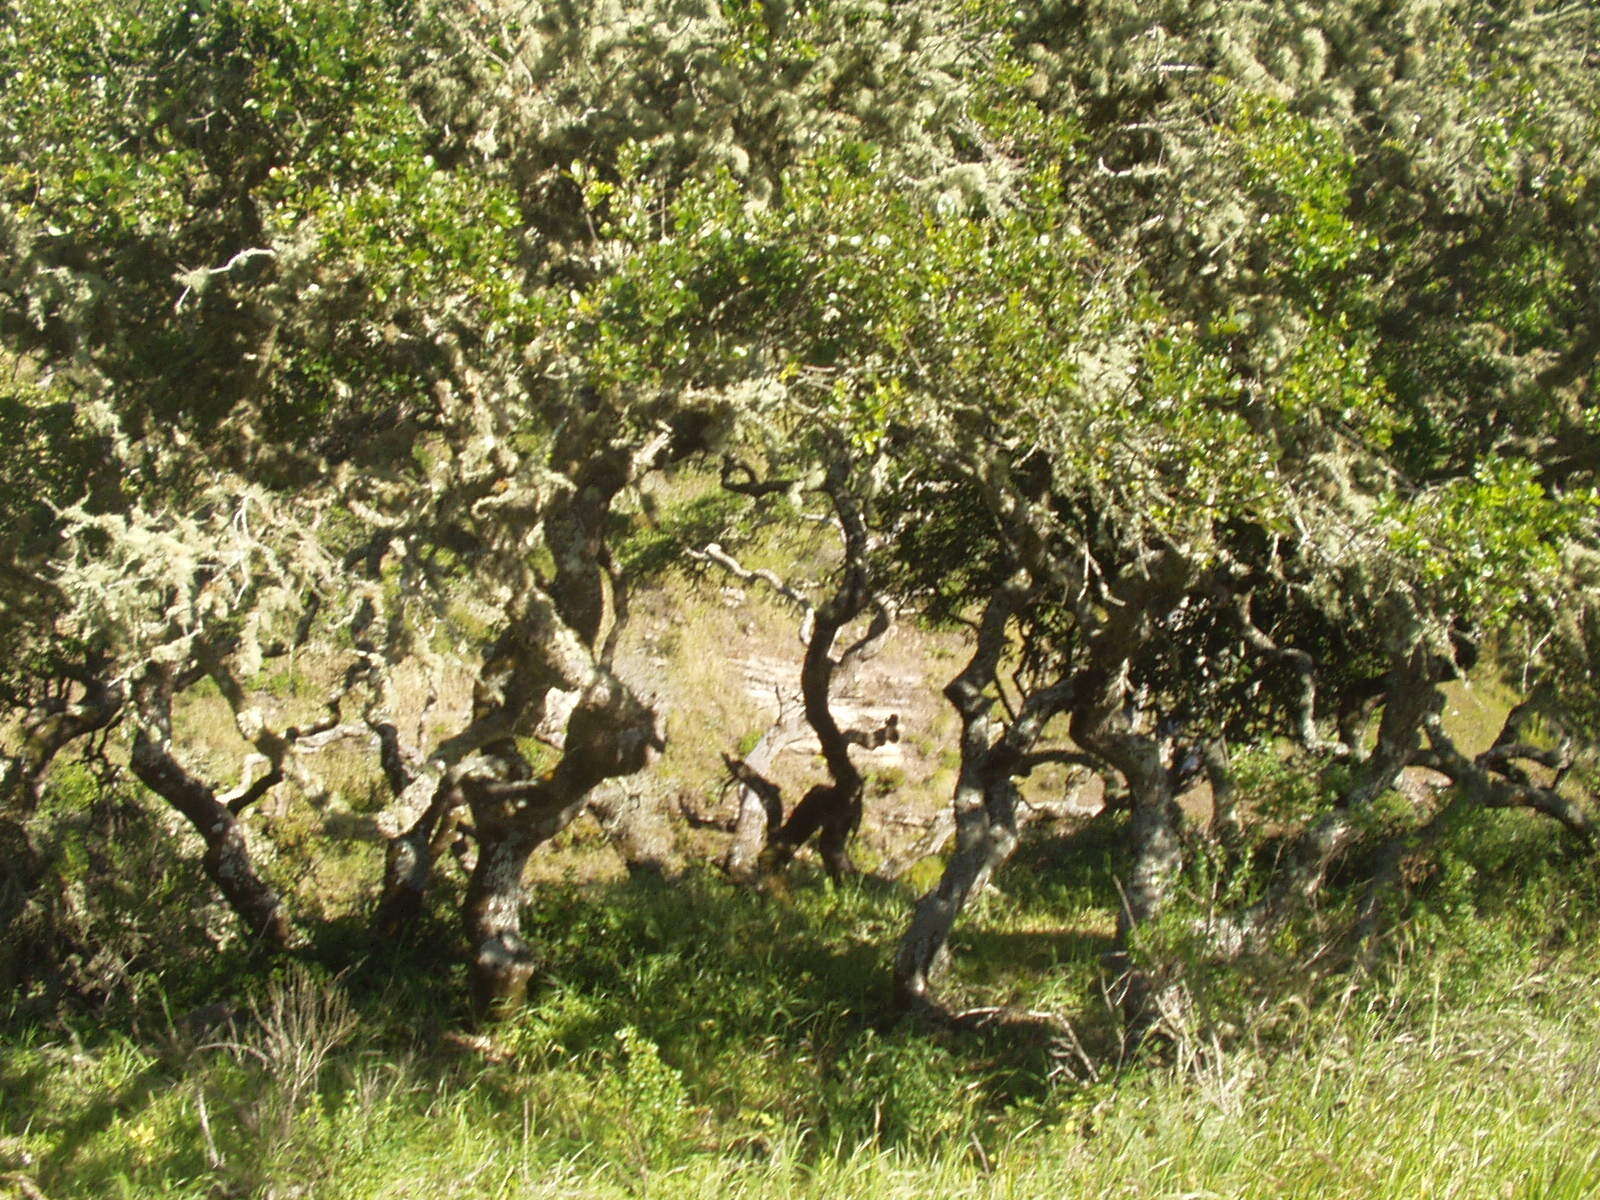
[(693, 1039), (690, 1038)]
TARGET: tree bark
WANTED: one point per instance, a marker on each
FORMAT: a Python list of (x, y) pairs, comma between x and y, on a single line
[(502, 962), (985, 823), (556, 638), (1155, 847), (408, 863), (1226, 828), (986, 836), (431, 790)]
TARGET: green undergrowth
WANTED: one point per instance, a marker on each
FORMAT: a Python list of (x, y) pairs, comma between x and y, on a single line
[(691, 1039)]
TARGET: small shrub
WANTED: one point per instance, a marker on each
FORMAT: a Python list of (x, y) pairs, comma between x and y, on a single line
[(886, 781), (1276, 789)]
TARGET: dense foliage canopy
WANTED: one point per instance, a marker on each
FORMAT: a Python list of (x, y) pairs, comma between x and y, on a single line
[(1228, 370)]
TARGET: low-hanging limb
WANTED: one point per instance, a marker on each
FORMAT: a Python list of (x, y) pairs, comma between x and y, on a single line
[(227, 859), (49, 729), (274, 747), (409, 859), (713, 553), (416, 787), (1492, 780)]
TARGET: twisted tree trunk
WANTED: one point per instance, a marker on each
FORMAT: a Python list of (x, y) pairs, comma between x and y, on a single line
[(408, 862), (1155, 850), (1226, 827), (611, 733), (227, 859), (1105, 723), (986, 805)]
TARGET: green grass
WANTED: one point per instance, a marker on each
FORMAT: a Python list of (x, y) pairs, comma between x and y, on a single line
[(696, 1040)]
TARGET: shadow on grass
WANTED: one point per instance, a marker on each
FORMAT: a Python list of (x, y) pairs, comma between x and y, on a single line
[(725, 1013), (1072, 866)]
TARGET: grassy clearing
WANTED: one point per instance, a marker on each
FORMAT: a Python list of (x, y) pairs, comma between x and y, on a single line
[(696, 1040)]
